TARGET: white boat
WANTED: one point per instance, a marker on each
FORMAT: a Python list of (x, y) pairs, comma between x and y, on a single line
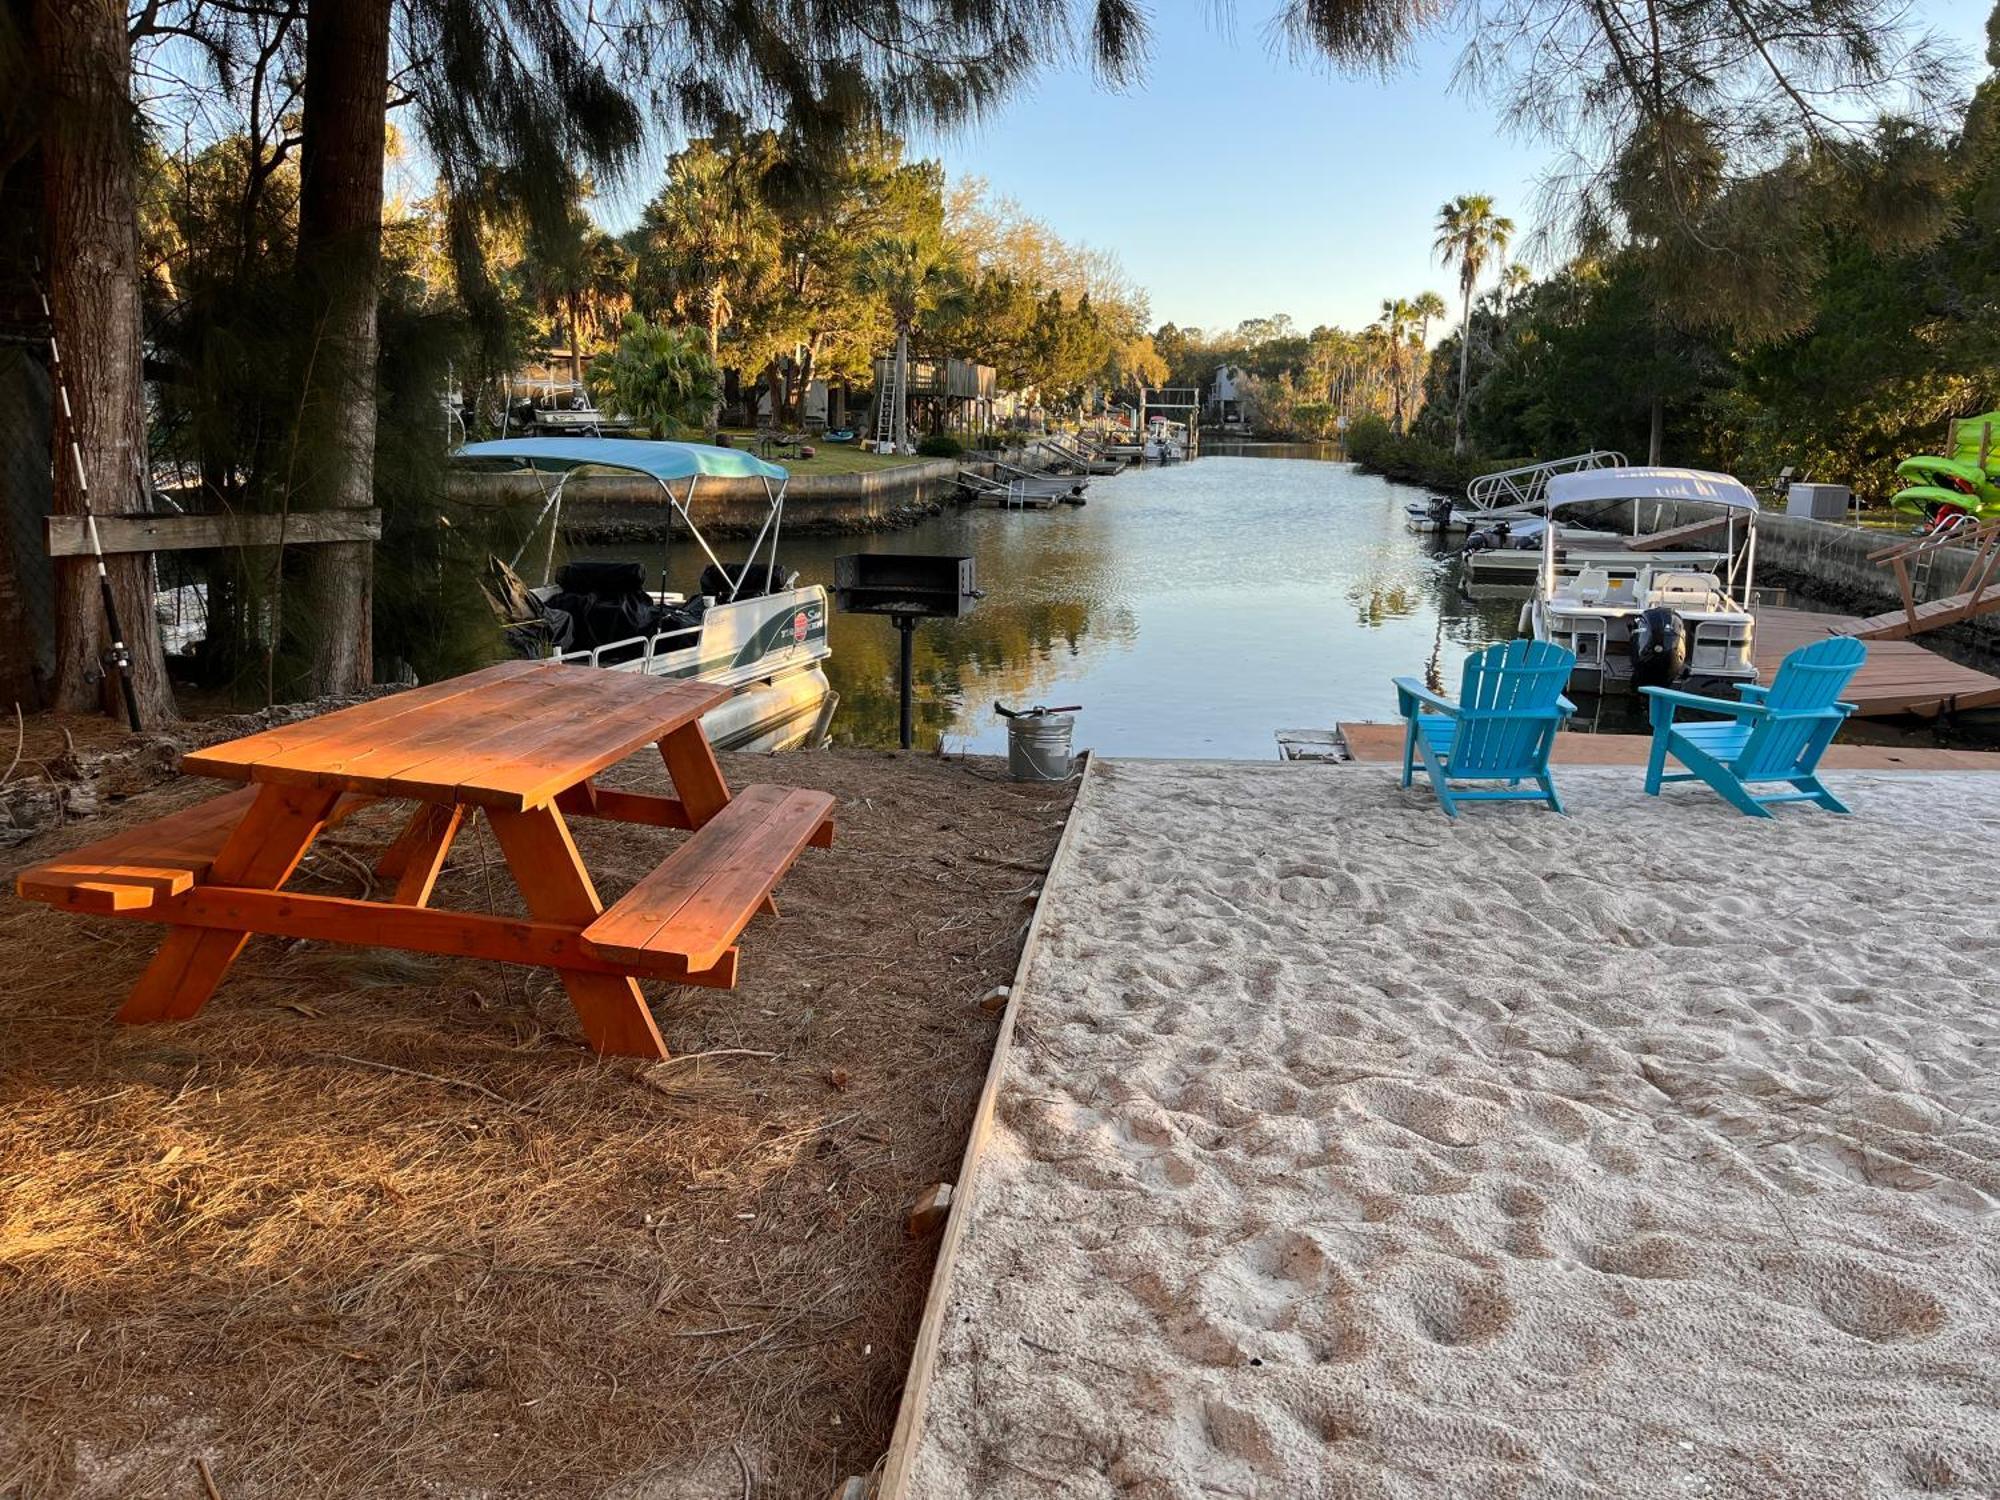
[(1166, 442), (749, 626), (1656, 623)]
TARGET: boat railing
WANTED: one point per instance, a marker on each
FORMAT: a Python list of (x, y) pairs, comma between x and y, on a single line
[(1527, 485)]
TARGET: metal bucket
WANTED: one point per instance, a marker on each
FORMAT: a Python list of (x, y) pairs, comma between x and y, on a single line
[(1038, 747)]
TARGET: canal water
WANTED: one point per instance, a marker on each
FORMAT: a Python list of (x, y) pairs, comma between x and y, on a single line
[(1192, 610)]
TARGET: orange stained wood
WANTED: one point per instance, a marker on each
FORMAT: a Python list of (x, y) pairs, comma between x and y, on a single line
[(553, 882), (698, 902), (522, 741), (508, 737), (418, 929), (696, 776), (137, 867), (429, 841), (260, 854)]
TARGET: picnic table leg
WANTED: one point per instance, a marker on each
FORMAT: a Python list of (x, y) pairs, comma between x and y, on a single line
[(260, 854), (557, 888), (416, 859), (696, 775)]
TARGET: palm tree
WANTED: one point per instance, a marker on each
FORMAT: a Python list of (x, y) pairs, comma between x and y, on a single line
[(1515, 279), (1397, 315), (912, 275), (1428, 305), (706, 239), (1469, 234), (658, 374)]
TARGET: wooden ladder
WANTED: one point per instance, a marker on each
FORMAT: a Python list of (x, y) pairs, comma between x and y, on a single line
[(1976, 593)]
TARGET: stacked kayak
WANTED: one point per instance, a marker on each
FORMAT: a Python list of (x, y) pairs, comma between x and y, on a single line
[(1964, 481)]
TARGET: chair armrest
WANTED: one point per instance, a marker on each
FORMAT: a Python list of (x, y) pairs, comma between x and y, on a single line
[(1564, 707), (1675, 698), (1844, 709), (1410, 692), (1752, 690), (1666, 700)]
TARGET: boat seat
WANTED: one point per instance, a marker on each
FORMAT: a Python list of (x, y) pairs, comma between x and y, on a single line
[(696, 904), (1591, 585), (138, 867)]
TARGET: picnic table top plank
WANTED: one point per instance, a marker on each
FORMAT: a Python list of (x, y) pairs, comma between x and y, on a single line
[(508, 737), (232, 758), (374, 753)]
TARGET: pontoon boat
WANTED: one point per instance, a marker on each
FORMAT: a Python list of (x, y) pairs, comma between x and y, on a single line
[(749, 625), (1656, 624)]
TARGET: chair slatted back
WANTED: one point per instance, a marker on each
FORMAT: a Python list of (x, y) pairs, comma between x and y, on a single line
[(1810, 680), (1506, 699)]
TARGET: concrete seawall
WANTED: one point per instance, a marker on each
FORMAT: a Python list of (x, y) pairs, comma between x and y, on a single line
[(630, 508)]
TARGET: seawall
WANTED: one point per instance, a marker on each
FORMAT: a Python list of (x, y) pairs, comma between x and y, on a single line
[(631, 508)]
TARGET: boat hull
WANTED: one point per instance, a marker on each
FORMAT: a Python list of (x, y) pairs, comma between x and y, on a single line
[(768, 650)]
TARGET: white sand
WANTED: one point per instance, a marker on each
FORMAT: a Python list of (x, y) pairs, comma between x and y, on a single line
[(1349, 1151)]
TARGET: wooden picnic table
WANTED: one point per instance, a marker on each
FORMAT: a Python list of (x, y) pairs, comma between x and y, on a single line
[(519, 742)]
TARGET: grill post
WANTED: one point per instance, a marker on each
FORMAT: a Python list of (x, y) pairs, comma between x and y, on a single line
[(906, 628), (907, 587)]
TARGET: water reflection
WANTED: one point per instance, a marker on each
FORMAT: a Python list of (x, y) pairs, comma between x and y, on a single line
[(1192, 610)]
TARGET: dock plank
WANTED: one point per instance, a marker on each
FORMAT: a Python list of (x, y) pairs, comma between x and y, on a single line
[(1899, 677), (1379, 744)]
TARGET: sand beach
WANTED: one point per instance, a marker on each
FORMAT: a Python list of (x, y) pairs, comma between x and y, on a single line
[(1345, 1150)]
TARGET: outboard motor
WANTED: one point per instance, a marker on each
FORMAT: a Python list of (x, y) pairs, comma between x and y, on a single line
[(1440, 511), (1497, 537), (1659, 648)]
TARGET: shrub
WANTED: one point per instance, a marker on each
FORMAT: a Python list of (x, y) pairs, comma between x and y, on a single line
[(940, 445)]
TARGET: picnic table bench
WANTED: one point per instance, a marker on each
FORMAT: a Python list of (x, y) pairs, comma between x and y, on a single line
[(520, 742)]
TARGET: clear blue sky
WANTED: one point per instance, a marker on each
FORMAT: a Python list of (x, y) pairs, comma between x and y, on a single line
[(1235, 183)]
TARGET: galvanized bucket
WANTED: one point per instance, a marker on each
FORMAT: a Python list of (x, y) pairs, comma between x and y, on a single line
[(1038, 747)]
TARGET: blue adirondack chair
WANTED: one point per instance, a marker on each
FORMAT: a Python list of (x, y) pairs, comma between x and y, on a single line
[(1776, 733), (1510, 705)]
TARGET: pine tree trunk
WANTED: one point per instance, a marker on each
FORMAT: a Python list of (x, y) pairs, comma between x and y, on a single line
[(338, 273), (92, 254), (1658, 426)]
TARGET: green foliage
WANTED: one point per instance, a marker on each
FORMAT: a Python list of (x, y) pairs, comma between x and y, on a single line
[(939, 445), (1375, 446), (660, 375)]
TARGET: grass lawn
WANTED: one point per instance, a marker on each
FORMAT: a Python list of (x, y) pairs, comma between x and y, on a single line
[(829, 458)]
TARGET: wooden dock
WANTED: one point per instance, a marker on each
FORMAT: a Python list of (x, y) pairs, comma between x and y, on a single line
[(1899, 677), (1382, 745)]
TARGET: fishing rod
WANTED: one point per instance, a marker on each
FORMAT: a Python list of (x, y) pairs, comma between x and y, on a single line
[(118, 655)]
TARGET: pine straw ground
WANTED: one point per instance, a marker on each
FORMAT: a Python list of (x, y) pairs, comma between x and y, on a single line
[(377, 1224)]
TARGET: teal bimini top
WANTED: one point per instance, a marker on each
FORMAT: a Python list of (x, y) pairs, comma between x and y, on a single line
[(663, 461)]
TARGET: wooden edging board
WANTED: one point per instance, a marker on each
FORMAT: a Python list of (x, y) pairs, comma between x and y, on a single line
[(895, 1481)]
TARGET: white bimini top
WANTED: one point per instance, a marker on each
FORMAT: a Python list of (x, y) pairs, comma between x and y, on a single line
[(1650, 484)]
